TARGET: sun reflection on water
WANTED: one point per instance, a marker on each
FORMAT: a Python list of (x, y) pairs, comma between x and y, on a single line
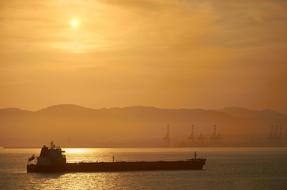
[(77, 150)]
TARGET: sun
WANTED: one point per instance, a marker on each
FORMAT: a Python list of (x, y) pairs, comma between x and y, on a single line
[(74, 23)]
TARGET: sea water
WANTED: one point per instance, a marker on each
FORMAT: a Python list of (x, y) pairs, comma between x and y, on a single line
[(226, 168)]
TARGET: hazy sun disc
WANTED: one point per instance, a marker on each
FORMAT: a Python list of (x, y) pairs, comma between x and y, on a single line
[(74, 23)]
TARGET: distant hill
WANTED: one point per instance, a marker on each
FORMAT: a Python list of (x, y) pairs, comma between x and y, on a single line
[(73, 125)]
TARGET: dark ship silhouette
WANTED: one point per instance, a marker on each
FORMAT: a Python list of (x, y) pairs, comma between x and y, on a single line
[(52, 159)]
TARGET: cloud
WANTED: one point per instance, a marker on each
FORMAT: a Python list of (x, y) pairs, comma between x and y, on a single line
[(167, 24), (191, 23)]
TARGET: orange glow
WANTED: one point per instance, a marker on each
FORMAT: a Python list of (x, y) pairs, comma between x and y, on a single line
[(167, 54)]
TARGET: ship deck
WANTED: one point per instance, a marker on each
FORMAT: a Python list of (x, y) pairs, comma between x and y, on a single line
[(192, 164)]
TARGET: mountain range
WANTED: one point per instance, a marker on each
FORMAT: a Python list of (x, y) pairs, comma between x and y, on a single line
[(73, 125)]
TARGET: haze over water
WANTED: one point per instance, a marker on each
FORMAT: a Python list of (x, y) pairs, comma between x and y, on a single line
[(226, 168)]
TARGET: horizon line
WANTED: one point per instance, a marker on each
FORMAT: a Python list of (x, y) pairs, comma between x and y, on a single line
[(142, 106)]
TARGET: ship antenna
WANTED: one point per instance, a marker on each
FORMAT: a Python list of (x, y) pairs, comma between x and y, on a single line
[(52, 144)]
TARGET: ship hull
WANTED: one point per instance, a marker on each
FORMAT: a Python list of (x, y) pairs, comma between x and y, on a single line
[(193, 164)]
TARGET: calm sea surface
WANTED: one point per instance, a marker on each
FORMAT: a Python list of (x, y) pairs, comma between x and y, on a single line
[(226, 168)]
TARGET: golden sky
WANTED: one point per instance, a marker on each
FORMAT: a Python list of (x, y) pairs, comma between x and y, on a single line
[(165, 53)]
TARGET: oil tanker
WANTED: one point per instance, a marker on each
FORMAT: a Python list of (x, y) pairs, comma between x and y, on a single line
[(53, 160)]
